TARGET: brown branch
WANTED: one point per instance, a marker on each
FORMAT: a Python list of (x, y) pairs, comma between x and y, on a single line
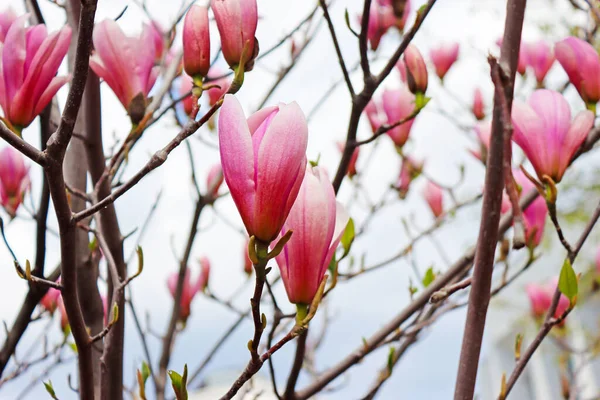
[(290, 388), (479, 295), (22, 146), (362, 42)]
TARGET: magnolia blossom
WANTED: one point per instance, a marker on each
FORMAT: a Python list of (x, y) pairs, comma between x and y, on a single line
[(534, 216), (544, 131), (401, 10), (196, 42), (540, 298), (483, 131), (381, 19), (50, 300), (318, 222), (398, 105), (540, 57), (126, 64), (190, 289), (443, 57), (236, 21), (263, 160), (7, 17), (478, 105), (409, 171), (401, 67), (214, 179), (14, 180), (435, 198), (374, 114), (353, 159), (582, 64), (30, 60), (416, 70)]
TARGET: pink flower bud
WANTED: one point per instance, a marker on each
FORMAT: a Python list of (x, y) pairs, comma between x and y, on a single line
[(540, 57), (30, 60), (374, 114), (381, 19), (398, 105), (544, 131), (214, 179), (435, 198), (236, 21), (196, 42), (409, 171), (202, 283), (483, 131), (221, 86), (158, 35), (534, 216), (50, 300), (353, 159), (443, 57), (14, 180), (189, 289), (7, 17), (248, 267), (126, 64), (318, 222), (539, 298), (582, 64), (478, 105), (401, 67), (263, 160), (416, 70)]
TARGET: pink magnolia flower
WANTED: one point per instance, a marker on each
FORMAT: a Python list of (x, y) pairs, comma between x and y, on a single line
[(443, 57), (214, 179), (478, 105), (158, 35), (374, 114), (544, 131), (483, 131), (126, 64), (381, 19), (401, 10), (7, 17), (401, 67), (196, 42), (582, 64), (435, 198), (409, 171), (236, 21), (398, 105), (14, 180), (263, 160), (221, 86), (540, 298), (353, 159), (540, 57), (535, 215), (416, 70), (50, 300), (318, 222), (185, 86), (30, 60), (190, 289)]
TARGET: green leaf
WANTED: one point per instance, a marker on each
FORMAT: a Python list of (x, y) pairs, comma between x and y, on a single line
[(390, 360), (145, 371), (179, 383), (429, 277), (50, 389), (567, 282), (331, 266), (348, 236)]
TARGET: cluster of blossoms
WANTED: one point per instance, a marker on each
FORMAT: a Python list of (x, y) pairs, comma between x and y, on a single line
[(384, 15)]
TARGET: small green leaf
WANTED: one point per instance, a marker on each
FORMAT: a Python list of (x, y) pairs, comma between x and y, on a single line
[(567, 282), (429, 277), (93, 244), (331, 266), (348, 236), (50, 389), (179, 383), (316, 162), (390, 360), (145, 371)]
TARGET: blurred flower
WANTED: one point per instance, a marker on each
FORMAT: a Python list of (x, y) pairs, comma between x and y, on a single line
[(318, 222), (443, 57), (14, 180), (7, 17), (381, 19), (478, 105), (353, 159), (126, 64), (30, 60), (190, 289), (50, 300), (483, 131), (401, 67), (398, 105), (236, 21), (540, 298), (409, 171), (416, 70), (374, 114), (220, 86), (582, 64), (158, 34), (435, 198), (544, 131), (263, 160), (540, 57), (214, 179), (64, 320), (196, 42)]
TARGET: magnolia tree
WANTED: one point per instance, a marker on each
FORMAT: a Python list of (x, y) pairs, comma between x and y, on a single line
[(300, 216)]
